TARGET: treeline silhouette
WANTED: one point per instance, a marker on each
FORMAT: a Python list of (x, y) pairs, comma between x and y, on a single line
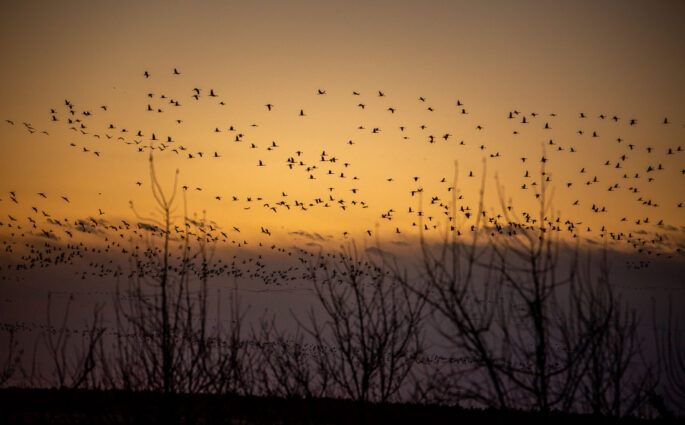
[(523, 322)]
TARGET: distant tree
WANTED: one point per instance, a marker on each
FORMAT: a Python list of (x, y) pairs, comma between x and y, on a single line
[(370, 325), (291, 367), (12, 361), (73, 366), (670, 344), (163, 337), (617, 380), (526, 330)]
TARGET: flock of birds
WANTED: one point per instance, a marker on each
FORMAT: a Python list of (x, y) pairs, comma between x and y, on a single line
[(37, 238)]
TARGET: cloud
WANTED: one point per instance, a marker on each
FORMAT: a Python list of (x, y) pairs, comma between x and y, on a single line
[(312, 236), (150, 227), (194, 222), (47, 235), (377, 251), (89, 225), (83, 225)]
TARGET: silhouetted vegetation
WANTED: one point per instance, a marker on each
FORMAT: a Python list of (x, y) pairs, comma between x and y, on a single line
[(530, 334), (526, 322)]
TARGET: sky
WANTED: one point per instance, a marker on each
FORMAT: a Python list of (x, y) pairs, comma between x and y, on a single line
[(375, 123), (422, 71), (621, 58)]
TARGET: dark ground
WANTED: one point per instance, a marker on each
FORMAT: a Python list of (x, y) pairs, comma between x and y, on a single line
[(38, 406)]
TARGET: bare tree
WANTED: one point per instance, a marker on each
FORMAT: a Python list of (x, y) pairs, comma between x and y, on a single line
[(232, 359), (73, 366), (371, 328), (163, 340), (670, 345), (291, 367), (12, 362), (617, 379), (520, 324)]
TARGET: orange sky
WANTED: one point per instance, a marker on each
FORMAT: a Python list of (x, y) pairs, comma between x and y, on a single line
[(613, 58)]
